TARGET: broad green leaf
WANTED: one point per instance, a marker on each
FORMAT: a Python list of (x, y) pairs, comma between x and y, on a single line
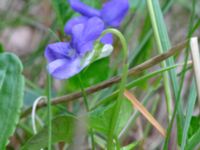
[(190, 108), (96, 72), (62, 131), (11, 95), (93, 74), (1, 48), (194, 126), (194, 141), (63, 126), (100, 118)]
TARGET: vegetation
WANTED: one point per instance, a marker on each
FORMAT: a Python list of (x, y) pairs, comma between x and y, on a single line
[(140, 91)]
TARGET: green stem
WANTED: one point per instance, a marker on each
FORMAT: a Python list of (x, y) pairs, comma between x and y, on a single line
[(165, 75), (84, 94), (116, 110), (49, 111), (88, 110), (118, 146), (92, 138)]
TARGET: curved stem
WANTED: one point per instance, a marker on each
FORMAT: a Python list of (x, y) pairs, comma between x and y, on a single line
[(121, 38), (116, 110)]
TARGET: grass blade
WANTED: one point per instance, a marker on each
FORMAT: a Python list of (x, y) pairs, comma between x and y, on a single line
[(144, 112), (190, 108), (163, 43)]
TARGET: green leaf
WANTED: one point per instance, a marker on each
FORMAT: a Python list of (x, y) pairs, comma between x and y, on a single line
[(93, 74), (100, 118), (63, 126), (96, 72), (188, 125), (194, 141), (11, 95), (62, 131), (194, 126), (1, 48)]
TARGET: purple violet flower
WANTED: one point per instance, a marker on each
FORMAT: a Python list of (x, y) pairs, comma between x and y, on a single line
[(112, 12), (68, 58), (107, 39)]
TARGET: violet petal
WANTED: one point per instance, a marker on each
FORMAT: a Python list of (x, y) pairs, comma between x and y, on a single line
[(64, 68), (114, 11), (72, 22), (59, 50)]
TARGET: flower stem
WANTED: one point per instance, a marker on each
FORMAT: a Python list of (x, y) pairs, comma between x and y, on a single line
[(49, 111), (116, 109), (84, 94), (91, 132)]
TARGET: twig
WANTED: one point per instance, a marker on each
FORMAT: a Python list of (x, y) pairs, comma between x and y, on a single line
[(133, 71)]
